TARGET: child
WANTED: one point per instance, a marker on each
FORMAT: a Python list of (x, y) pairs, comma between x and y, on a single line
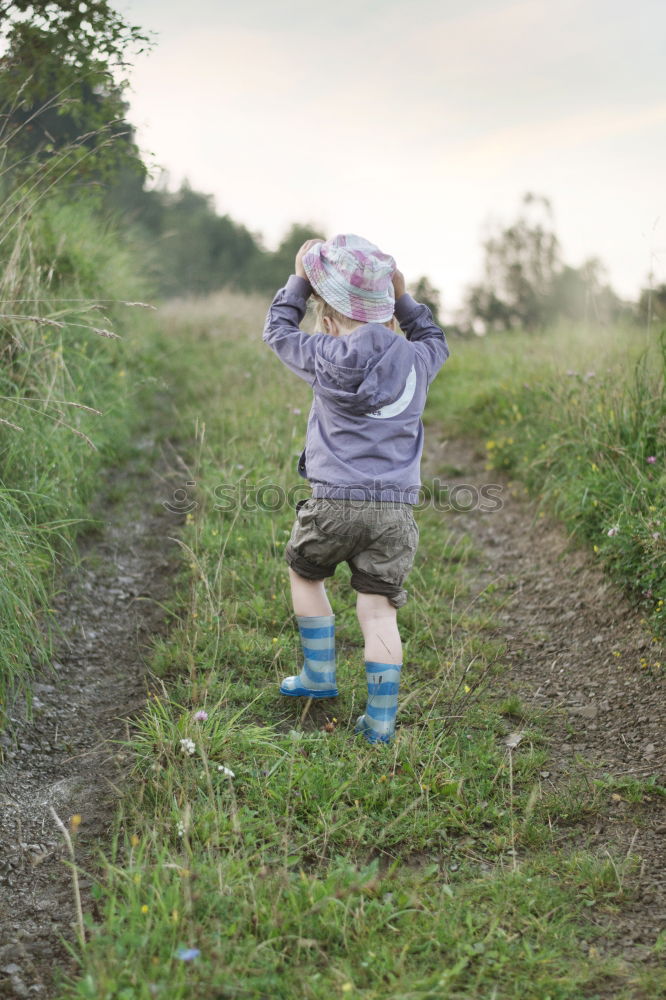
[(362, 455)]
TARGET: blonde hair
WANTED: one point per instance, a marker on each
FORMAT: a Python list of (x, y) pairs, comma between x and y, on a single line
[(322, 309)]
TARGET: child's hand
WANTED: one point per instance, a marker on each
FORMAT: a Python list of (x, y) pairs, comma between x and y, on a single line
[(298, 266), (398, 284)]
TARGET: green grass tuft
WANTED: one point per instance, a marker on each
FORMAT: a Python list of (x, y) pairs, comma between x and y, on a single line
[(580, 417), (436, 867)]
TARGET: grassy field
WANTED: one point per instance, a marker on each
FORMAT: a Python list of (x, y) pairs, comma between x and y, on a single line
[(264, 853), (69, 404), (579, 415)]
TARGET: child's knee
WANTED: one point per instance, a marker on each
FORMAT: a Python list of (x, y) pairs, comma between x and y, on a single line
[(297, 577), (372, 606)]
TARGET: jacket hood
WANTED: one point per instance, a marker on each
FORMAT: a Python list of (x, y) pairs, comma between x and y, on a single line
[(363, 370)]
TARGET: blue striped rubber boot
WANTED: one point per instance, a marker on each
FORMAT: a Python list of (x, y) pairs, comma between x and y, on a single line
[(378, 722), (317, 677)]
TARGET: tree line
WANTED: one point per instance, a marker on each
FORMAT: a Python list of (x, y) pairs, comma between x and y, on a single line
[(64, 117)]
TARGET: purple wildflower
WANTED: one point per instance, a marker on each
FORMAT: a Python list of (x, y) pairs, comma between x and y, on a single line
[(200, 716), (188, 954), (651, 459)]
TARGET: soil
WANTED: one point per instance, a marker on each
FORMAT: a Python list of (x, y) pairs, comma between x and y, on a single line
[(574, 646), (562, 622), (70, 757)]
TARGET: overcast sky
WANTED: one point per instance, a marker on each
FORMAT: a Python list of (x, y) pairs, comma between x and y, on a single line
[(414, 123)]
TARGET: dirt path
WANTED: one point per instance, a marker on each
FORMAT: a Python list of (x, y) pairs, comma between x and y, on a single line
[(68, 757), (574, 648), (563, 624)]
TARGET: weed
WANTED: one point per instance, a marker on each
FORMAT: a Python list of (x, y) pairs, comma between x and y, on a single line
[(588, 442), (280, 855)]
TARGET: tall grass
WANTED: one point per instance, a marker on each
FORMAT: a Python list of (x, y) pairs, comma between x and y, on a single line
[(579, 414), (67, 388)]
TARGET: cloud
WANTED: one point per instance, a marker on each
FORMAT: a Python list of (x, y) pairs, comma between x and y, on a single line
[(413, 122), (503, 147)]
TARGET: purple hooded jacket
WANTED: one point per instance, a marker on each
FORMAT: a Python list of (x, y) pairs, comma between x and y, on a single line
[(365, 435)]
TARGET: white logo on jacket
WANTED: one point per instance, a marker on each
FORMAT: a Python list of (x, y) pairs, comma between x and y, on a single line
[(393, 409)]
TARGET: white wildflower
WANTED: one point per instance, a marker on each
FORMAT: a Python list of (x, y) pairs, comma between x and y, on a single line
[(187, 746), (226, 770)]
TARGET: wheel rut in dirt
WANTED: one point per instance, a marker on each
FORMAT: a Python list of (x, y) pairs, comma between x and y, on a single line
[(70, 757), (582, 661)]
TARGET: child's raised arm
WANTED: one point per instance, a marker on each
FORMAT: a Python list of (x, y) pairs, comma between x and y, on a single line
[(419, 327), (282, 332)]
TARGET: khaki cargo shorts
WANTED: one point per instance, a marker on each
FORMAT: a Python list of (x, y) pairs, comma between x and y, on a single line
[(376, 538)]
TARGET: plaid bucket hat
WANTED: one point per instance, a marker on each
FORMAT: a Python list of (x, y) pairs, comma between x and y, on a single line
[(353, 276)]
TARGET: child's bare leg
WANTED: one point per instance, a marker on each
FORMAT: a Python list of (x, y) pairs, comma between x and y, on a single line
[(383, 663), (379, 623), (316, 624), (308, 596)]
